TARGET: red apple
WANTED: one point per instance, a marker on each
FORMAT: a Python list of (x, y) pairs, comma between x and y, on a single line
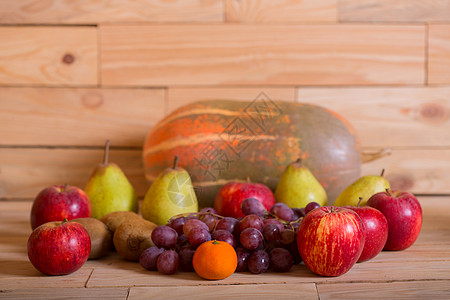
[(59, 202), (59, 248), (403, 214), (230, 196), (376, 227), (330, 240)]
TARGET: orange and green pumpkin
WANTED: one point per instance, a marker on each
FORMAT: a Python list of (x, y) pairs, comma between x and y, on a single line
[(223, 140)]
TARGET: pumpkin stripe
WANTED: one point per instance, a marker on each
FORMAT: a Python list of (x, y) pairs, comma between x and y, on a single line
[(202, 138)]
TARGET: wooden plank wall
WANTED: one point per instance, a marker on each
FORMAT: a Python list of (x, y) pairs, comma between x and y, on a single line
[(74, 73)]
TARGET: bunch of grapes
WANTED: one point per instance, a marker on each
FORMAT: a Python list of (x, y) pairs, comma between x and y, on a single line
[(262, 239)]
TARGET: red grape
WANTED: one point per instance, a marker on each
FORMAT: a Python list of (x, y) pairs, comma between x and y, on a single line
[(258, 262), (198, 236), (164, 236), (186, 253), (242, 257), (281, 260), (167, 262), (193, 223), (282, 211), (287, 236), (310, 206), (251, 221), (229, 224), (271, 232), (274, 221), (224, 236), (149, 257), (177, 224), (251, 238), (252, 206)]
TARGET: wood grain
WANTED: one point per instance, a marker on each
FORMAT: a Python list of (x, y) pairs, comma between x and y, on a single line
[(286, 11), (263, 54), (26, 171), (439, 53), (17, 276), (109, 11), (387, 290), (177, 97), (268, 292), (51, 56), (394, 10), (415, 170), (390, 116), (66, 293), (78, 117)]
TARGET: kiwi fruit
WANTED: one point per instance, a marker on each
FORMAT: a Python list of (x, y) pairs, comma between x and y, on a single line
[(101, 237), (132, 237), (114, 219)]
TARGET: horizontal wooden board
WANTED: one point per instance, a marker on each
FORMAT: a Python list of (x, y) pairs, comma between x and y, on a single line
[(262, 54), (390, 116), (286, 11), (89, 12), (25, 171), (394, 10), (66, 293), (78, 117), (421, 171), (268, 291), (386, 290), (439, 53), (177, 97), (42, 55)]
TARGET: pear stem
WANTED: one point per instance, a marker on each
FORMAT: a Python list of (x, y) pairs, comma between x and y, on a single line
[(382, 173), (388, 192), (175, 162), (298, 161), (359, 202), (106, 153)]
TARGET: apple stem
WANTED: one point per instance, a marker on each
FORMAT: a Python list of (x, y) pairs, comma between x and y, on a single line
[(65, 221), (382, 173), (359, 202), (248, 179), (175, 162), (66, 185), (106, 153)]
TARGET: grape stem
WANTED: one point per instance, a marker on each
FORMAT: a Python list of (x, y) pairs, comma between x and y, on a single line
[(197, 214)]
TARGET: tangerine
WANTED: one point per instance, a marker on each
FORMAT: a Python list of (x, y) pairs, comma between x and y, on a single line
[(214, 260)]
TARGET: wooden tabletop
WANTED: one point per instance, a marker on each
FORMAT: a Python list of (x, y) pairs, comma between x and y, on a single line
[(422, 271)]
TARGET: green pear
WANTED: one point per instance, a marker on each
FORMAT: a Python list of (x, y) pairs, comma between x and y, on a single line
[(170, 194), (364, 188), (298, 187), (109, 189)]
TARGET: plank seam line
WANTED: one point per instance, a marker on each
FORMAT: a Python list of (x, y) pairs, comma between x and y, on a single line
[(89, 277), (317, 290)]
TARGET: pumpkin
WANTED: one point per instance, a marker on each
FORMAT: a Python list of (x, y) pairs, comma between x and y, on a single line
[(219, 141)]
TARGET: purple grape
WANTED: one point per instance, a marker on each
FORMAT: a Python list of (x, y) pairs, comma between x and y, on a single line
[(251, 238), (274, 221), (252, 206), (164, 236), (167, 262), (298, 212), (186, 254), (149, 257), (287, 236), (242, 258), (198, 236), (282, 211), (271, 232), (310, 206), (229, 224), (224, 236), (293, 249), (193, 223), (281, 260), (251, 221), (177, 224), (258, 262), (210, 221)]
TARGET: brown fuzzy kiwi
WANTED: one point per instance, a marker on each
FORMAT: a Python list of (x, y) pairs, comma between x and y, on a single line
[(132, 237), (114, 219), (101, 237)]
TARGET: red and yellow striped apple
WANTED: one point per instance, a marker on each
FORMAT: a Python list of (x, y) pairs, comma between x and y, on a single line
[(330, 240)]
